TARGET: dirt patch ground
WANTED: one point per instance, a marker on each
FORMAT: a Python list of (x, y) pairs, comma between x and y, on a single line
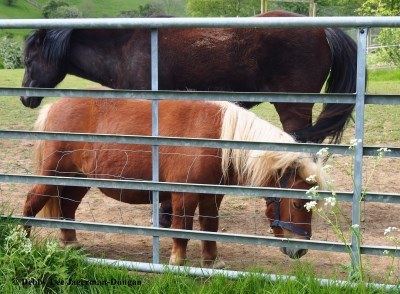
[(238, 215)]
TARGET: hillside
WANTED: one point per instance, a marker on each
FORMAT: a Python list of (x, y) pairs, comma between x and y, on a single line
[(89, 8)]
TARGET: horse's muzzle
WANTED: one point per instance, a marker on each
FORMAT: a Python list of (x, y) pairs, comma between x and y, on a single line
[(293, 253), (31, 102)]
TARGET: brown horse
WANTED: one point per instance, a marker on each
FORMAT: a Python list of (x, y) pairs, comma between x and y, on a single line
[(177, 164), (208, 59)]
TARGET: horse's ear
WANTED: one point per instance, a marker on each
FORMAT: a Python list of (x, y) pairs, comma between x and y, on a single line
[(40, 35)]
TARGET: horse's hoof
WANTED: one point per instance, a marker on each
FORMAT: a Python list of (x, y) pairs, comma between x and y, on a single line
[(217, 264), (71, 245)]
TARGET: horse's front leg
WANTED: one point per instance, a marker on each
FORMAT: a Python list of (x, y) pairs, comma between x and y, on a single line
[(183, 207), (71, 197), (209, 221)]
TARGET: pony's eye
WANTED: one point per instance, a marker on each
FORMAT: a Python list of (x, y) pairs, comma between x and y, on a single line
[(297, 205)]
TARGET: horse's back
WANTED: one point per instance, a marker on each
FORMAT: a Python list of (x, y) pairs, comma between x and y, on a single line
[(133, 117)]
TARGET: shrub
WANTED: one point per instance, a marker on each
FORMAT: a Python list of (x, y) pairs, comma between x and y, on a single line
[(10, 54), (66, 12)]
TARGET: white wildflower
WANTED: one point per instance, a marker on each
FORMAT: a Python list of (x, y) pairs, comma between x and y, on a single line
[(51, 246), (330, 201), (311, 179), (382, 151), (310, 205), (386, 252), (354, 143), (312, 191), (355, 226), (390, 229), (26, 246), (323, 151), (327, 168)]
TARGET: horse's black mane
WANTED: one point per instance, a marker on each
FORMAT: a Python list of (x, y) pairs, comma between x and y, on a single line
[(54, 43)]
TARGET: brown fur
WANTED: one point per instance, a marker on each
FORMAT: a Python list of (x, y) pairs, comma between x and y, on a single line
[(207, 59)]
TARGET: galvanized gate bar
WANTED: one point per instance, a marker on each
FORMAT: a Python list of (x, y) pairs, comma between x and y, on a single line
[(172, 141), (201, 235), (154, 148), (207, 272), (200, 95), (210, 22), (185, 95), (194, 142), (192, 188), (362, 34)]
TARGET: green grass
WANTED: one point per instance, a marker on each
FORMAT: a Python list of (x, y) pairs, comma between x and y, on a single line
[(382, 122), (13, 115), (21, 9), (29, 266)]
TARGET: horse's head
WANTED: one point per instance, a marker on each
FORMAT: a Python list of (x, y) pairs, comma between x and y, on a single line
[(44, 68), (288, 217)]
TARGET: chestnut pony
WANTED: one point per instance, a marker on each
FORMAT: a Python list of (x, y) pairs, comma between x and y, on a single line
[(195, 119)]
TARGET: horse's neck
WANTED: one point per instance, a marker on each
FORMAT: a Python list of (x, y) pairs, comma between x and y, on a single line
[(88, 60)]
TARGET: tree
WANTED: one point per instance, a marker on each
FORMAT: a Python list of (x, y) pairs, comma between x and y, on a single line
[(52, 6), (380, 8), (66, 12), (388, 37), (149, 9), (223, 7), (9, 2)]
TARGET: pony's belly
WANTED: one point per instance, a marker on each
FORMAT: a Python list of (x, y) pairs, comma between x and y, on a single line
[(133, 196)]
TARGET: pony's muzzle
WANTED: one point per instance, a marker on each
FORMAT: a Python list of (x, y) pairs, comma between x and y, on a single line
[(31, 102), (293, 252)]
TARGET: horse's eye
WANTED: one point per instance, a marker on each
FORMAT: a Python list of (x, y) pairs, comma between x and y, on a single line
[(297, 205)]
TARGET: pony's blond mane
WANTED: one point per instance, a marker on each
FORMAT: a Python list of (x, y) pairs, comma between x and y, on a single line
[(52, 207), (40, 125), (260, 167)]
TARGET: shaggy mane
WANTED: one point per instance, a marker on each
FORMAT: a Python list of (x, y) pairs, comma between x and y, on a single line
[(260, 167)]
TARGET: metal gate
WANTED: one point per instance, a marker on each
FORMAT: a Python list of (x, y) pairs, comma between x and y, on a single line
[(359, 98)]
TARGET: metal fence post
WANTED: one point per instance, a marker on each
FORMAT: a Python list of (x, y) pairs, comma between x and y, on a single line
[(154, 127), (358, 148)]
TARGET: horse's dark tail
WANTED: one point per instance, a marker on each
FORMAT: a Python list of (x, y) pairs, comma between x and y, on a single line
[(342, 79)]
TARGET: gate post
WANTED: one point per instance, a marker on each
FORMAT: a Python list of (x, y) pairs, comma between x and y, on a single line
[(154, 133), (358, 148)]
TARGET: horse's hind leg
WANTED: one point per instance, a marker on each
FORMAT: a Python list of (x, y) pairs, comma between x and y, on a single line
[(37, 198), (183, 207), (70, 199), (209, 221)]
